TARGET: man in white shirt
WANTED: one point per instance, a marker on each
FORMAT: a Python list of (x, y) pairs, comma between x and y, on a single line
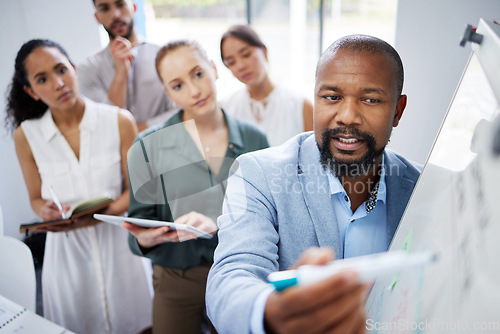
[(124, 73)]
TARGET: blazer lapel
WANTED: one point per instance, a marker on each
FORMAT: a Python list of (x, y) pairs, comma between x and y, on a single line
[(399, 190), (316, 192)]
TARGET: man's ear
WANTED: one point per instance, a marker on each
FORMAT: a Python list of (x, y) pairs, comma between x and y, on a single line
[(28, 90), (400, 107), (97, 18)]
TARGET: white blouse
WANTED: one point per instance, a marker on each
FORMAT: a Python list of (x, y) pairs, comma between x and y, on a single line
[(279, 115), (91, 282)]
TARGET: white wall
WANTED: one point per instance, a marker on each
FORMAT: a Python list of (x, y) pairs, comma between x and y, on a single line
[(70, 23), (428, 33)]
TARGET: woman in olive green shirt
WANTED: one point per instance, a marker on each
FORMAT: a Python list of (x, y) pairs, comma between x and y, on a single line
[(178, 172)]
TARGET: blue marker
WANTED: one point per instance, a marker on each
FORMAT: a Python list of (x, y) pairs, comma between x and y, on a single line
[(368, 267)]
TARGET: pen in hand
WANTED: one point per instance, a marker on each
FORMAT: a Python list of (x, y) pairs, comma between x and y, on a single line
[(56, 201), (369, 268)]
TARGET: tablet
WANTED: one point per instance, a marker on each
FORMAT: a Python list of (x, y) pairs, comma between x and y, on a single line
[(118, 220)]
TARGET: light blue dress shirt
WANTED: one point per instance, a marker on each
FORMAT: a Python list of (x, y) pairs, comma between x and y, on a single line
[(361, 233)]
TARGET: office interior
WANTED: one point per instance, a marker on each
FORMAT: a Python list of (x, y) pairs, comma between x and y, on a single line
[(426, 33)]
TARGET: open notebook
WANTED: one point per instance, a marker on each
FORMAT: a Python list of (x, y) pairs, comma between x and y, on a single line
[(97, 204)]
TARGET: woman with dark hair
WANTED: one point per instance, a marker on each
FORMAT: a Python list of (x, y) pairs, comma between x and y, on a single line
[(77, 148), (280, 112)]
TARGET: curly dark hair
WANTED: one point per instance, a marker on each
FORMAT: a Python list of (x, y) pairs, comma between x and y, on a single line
[(21, 106)]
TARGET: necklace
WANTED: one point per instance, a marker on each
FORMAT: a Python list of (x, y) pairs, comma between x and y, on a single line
[(259, 107)]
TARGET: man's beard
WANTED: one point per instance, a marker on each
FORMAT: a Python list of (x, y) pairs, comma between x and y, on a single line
[(348, 167), (127, 35)]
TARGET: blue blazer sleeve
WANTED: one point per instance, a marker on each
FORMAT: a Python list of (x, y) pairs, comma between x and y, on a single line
[(247, 250)]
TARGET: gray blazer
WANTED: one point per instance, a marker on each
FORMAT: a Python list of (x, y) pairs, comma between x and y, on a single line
[(278, 204)]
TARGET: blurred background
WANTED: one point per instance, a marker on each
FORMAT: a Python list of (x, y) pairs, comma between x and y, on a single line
[(426, 33)]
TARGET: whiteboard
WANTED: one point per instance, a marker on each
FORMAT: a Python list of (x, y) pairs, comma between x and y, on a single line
[(452, 212)]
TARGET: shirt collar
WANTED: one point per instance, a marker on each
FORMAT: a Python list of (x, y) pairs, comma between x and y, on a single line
[(336, 186), (50, 129), (382, 186), (234, 136), (89, 119), (88, 122)]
